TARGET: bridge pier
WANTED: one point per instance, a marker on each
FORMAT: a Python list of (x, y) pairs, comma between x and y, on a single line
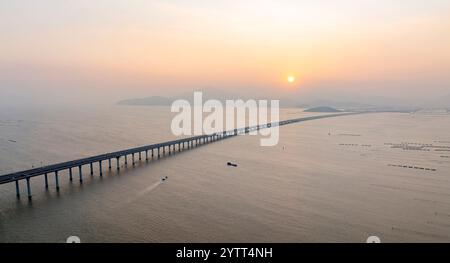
[(57, 181), (80, 171), (146, 156), (46, 181), (17, 190), (28, 188), (132, 158), (92, 169), (100, 168), (197, 140)]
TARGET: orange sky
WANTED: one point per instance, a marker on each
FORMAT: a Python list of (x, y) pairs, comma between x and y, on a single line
[(171, 46)]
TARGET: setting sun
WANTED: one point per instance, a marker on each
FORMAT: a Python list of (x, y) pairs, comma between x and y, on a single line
[(291, 79)]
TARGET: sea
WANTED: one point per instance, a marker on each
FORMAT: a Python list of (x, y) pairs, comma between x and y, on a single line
[(340, 179)]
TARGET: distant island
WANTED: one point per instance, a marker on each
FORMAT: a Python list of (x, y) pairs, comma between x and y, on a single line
[(322, 109)]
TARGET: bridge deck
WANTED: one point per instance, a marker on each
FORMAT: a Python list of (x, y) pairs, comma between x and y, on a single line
[(7, 178)]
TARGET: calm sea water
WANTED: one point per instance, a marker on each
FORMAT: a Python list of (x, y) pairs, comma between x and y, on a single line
[(329, 180)]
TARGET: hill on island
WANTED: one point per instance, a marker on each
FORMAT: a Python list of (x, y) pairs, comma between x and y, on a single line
[(322, 109)]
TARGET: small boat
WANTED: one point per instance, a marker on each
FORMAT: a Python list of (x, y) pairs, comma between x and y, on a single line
[(232, 164)]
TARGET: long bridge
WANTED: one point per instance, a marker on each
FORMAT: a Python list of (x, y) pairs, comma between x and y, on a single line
[(156, 150)]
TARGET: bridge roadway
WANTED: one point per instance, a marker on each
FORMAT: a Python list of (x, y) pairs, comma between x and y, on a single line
[(155, 149)]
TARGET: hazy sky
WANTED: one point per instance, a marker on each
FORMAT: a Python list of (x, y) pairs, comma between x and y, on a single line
[(104, 50)]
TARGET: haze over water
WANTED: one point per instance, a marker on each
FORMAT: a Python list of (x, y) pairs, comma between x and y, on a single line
[(63, 64), (328, 180)]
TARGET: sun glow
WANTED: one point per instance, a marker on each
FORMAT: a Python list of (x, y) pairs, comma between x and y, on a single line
[(291, 79)]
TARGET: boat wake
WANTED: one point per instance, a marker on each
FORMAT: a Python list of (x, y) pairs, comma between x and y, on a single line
[(144, 192)]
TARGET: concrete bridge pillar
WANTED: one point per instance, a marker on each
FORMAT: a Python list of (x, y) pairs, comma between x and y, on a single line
[(126, 160), (109, 164), (28, 188), (17, 190), (70, 174), (100, 168), (57, 181), (80, 171), (132, 158), (146, 155), (140, 158), (46, 181), (118, 163), (92, 169)]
